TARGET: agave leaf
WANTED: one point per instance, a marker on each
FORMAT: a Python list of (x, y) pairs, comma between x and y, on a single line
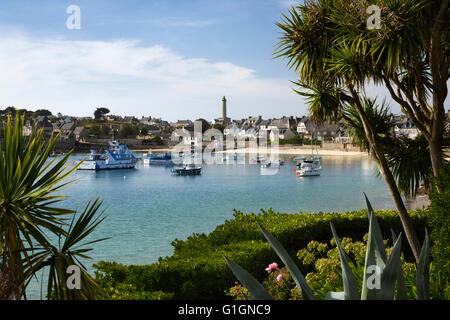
[(298, 277), (351, 291), (377, 235), (389, 274), (335, 296), (375, 252), (401, 284), (423, 270), (255, 288)]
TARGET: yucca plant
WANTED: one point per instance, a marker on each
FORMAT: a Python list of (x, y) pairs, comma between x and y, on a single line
[(29, 183), (58, 259), (383, 275)]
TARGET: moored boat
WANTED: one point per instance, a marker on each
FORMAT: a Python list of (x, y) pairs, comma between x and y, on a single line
[(118, 156), (271, 164), (165, 158), (187, 170), (308, 168)]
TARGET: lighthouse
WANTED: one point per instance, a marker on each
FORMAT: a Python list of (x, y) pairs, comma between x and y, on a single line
[(224, 108), (223, 119)]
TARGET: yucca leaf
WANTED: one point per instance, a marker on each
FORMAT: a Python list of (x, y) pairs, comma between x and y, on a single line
[(351, 291), (298, 277), (255, 288)]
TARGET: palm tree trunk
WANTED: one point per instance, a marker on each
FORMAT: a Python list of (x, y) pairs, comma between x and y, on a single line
[(383, 166), (439, 70), (405, 219)]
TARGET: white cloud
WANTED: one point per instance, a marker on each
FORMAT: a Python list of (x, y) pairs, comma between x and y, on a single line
[(74, 77)]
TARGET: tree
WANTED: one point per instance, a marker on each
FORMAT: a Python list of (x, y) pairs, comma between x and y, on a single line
[(105, 130), (95, 130), (205, 124), (128, 130), (332, 73), (218, 126), (409, 54), (143, 131), (30, 188), (42, 112), (100, 113)]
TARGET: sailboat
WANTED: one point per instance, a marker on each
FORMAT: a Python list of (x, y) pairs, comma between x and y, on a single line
[(311, 167)]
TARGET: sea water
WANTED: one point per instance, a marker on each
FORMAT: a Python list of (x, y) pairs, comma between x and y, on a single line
[(147, 208)]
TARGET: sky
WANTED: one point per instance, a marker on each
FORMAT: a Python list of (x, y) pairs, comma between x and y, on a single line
[(173, 59)]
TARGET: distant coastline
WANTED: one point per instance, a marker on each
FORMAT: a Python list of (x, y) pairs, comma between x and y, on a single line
[(300, 150)]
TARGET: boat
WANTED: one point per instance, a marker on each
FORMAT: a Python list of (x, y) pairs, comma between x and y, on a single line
[(259, 159), (299, 158), (187, 170), (308, 168), (272, 164), (165, 158), (118, 156)]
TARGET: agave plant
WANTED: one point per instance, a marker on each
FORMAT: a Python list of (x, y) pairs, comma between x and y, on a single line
[(383, 274)]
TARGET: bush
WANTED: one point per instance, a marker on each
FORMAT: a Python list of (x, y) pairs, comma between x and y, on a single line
[(128, 130), (156, 140), (439, 222), (197, 269)]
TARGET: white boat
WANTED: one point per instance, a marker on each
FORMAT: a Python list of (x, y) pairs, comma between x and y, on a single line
[(308, 168), (118, 156)]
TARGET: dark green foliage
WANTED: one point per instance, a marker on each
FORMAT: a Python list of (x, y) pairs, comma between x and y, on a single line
[(299, 140), (439, 222), (128, 130), (410, 163), (99, 113), (156, 140), (197, 269)]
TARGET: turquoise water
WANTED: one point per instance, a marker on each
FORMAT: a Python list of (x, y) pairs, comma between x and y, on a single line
[(148, 208)]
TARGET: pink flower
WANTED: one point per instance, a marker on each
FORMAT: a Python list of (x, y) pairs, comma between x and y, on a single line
[(280, 277), (272, 266)]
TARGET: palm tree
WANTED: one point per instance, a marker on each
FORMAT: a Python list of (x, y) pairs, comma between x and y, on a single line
[(28, 197), (407, 158), (332, 74), (409, 55)]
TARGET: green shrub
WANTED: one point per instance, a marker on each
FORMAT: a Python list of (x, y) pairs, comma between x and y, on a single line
[(439, 222), (197, 269)]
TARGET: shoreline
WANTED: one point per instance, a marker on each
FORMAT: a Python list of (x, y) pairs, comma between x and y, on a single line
[(306, 151)]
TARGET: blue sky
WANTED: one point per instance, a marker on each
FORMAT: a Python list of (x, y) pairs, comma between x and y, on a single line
[(172, 59)]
